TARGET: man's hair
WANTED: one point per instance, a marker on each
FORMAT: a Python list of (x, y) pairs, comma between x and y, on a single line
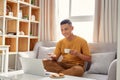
[(66, 21)]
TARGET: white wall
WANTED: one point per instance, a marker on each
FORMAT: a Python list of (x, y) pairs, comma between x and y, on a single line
[(118, 53)]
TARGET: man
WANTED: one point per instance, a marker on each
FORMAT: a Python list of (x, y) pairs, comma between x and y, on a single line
[(73, 61)]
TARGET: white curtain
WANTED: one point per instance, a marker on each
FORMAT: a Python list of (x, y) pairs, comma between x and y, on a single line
[(47, 20), (105, 21)]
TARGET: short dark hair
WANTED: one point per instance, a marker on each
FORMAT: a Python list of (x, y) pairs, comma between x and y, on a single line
[(66, 21)]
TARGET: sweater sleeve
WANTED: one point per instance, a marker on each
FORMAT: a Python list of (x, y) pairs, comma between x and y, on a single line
[(57, 50), (85, 49)]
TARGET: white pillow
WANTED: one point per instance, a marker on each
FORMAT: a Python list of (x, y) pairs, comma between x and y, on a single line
[(31, 54), (101, 62), (43, 52)]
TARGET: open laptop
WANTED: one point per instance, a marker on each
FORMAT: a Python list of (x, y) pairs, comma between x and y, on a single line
[(33, 66)]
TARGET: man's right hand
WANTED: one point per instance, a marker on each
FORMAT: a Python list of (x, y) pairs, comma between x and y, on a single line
[(52, 56)]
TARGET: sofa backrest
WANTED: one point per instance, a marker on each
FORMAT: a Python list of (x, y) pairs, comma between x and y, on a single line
[(102, 47), (94, 47)]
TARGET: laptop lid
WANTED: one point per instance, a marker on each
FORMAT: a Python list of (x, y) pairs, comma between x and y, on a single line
[(32, 66)]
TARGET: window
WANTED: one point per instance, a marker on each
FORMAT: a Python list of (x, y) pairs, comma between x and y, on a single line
[(80, 12), (81, 7)]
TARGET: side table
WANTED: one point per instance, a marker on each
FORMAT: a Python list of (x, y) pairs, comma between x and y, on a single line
[(5, 57)]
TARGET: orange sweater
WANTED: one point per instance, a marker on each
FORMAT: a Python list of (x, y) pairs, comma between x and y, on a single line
[(78, 44)]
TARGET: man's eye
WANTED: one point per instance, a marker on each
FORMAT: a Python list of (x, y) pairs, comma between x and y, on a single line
[(64, 29)]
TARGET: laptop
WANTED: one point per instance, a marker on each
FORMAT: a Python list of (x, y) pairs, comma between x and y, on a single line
[(33, 66)]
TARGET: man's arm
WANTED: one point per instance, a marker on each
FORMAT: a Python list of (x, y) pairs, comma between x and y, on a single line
[(84, 57), (80, 55)]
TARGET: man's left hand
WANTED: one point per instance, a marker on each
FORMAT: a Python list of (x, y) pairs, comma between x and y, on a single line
[(74, 52)]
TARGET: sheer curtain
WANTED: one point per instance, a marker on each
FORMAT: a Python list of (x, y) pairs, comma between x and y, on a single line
[(105, 21), (47, 19)]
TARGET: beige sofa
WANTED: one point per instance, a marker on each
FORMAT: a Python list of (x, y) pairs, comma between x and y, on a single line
[(102, 67)]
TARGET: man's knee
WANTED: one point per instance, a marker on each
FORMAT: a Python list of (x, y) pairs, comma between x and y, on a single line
[(52, 66), (48, 64), (78, 70), (74, 71)]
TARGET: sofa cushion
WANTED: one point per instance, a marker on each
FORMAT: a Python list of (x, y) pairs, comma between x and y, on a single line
[(101, 62), (95, 76), (43, 52)]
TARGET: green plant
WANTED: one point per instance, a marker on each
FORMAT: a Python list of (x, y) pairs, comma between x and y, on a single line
[(26, 17), (32, 1)]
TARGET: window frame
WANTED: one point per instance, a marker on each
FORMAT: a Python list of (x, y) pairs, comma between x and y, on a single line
[(79, 18)]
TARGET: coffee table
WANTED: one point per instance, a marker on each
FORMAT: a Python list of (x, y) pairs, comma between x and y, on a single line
[(20, 75)]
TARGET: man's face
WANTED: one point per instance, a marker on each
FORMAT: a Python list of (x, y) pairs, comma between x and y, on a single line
[(66, 30)]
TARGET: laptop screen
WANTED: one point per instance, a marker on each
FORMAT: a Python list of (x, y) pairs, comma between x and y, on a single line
[(32, 66)]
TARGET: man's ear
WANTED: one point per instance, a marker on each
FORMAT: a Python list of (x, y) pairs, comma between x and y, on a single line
[(72, 27)]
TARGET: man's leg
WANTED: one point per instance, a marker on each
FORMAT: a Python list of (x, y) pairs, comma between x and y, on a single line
[(74, 71), (52, 66)]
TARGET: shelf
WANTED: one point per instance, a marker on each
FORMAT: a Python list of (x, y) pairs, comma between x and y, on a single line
[(19, 24), (33, 6), (11, 8), (12, 43), (34, 37), (32, 43), (26, 2), (23, 27), (22, 44), (34, 29), (10, 17), (34, 21), (0, 40), (11, 53), (25, 11), (35, 13), (10, 36), (11, 27), (23, 36), (1, 7), (23, 20), (13, 1)]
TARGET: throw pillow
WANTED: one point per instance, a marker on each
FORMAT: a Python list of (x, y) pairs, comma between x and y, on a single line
[(101, 62), (43, 52), (31, 54)]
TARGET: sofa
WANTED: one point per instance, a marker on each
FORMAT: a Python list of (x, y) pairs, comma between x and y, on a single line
[(102, 66)]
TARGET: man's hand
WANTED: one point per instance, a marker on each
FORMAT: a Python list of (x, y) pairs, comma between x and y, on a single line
[(81, 56), (52, 56), (74, 52)]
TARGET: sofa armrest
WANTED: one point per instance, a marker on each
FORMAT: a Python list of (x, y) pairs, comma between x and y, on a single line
[(112, 70)]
